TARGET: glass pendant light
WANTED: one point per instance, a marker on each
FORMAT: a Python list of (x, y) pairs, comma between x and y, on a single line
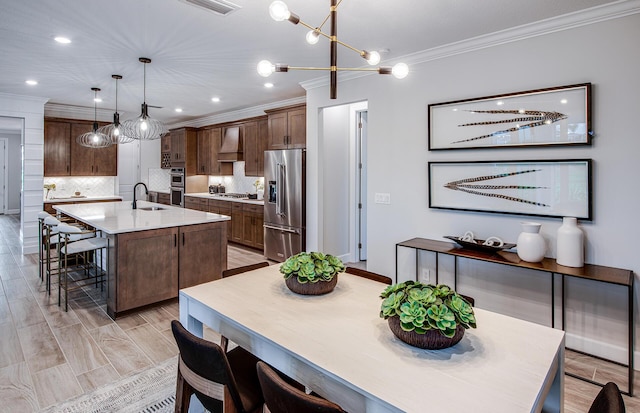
[(95, 138), (143, 127), (115, 131)]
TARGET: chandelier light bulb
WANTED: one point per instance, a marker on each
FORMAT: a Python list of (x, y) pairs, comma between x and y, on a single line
[(313, 36), (116, 131), (400, 70), (95, 138), (374, 58), (143, 125), (265, 68), (279, 11)]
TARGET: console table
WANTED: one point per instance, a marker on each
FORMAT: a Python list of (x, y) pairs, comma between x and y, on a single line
[(598, 273)]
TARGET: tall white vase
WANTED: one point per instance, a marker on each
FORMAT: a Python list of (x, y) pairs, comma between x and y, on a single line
[(531, 245), (570, 251)]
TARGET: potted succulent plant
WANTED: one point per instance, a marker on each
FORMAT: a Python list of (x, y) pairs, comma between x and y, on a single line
[(311, 273), (426, 315)]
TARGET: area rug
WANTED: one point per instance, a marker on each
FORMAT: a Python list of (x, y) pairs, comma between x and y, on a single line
[(152, 390)]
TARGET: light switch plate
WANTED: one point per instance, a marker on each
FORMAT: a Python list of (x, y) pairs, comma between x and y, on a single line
[(382, 198)]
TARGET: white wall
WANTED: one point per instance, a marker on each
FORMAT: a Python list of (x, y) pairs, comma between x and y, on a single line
[(32, 111), (596, 52)]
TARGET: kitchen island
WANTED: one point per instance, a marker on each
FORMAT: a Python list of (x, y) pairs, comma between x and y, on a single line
[(154, 250)]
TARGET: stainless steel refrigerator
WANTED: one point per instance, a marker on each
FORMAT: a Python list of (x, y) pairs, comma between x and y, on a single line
[(284, 203)]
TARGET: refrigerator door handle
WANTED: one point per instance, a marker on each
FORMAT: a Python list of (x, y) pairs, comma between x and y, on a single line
[(281, 178), (292, 231)]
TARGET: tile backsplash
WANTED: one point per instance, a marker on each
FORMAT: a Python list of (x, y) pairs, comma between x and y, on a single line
[(87, 185), (159, 179), (238, 183)]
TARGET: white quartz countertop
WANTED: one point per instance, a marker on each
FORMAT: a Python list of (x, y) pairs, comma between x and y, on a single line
[(82, 198), (119, 217), (224, 198)]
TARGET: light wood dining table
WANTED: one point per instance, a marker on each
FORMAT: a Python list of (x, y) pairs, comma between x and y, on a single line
[(338, 346)]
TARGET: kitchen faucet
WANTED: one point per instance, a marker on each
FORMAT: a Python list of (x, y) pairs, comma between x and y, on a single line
[(146, 191)]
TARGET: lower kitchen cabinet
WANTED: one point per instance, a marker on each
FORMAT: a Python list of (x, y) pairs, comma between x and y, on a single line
[(203, 250), (147, 268), (197, 203), (247, 224), (253, 220), (150, 266), (164, 199), (222, 208)]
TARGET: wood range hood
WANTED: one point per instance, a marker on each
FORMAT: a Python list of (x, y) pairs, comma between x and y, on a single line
[(231, 145)]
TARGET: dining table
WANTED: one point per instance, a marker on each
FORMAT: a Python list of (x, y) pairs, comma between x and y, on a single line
[(337, 345)]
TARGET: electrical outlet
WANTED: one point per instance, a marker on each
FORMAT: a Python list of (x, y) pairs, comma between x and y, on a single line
[(425, 276), (382, 198)]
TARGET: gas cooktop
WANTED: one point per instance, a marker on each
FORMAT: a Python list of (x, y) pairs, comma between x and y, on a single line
[(231, 195)]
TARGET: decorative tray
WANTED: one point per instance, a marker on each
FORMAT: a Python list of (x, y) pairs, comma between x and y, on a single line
[(477, 244)]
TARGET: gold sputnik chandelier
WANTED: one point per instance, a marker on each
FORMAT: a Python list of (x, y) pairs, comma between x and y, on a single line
[(280, 12)]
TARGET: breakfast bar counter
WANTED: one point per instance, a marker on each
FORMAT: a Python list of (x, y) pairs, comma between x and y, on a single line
[(154, 250)]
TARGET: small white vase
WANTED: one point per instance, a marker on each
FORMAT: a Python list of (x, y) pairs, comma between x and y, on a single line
[(531, 245), (570, 249)]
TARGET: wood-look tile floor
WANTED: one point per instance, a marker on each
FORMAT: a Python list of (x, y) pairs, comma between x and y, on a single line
[(48, 355)]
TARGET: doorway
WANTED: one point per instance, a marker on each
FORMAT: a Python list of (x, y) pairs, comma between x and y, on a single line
[(343, 131), (11, 164)]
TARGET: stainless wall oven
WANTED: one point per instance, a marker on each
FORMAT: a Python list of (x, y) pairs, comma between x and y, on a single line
[(177, 177), (177, 186)]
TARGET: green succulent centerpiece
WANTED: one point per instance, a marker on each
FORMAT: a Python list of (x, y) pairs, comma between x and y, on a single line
[(436, 312), (311, 273)]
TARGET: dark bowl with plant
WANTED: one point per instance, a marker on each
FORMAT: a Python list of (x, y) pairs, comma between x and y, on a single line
[(311, 273), (426, 315)]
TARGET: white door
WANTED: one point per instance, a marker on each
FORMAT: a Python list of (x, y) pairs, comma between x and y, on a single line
[(4, 178)]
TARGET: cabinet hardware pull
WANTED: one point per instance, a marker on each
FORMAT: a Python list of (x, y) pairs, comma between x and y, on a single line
[(183, 238), (175, 240)]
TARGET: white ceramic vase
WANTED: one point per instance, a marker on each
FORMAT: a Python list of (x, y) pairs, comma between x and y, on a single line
[(531, 245), (570, 249)]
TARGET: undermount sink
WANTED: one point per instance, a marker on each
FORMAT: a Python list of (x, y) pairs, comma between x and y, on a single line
[(152, 208)]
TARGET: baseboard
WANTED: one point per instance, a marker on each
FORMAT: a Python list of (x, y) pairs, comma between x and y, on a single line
[(598, 348), (12, 212)]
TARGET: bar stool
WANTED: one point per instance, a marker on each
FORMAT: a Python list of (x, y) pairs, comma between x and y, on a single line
[(42, 241), (86, 249)]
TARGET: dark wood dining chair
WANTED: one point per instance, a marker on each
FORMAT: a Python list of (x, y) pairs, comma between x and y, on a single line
[(281, 397), (222, 381), (469, 299), (245, 268), (369, 275), (608, 400)]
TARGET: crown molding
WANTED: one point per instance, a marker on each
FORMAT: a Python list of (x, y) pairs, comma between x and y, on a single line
[(238, 114), (32, 99), (58, 110), (568, 21)]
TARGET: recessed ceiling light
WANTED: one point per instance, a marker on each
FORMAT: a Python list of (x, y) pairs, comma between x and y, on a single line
[(62, 40), (178, 110), (31, 82), (215, 99), (268, 85)]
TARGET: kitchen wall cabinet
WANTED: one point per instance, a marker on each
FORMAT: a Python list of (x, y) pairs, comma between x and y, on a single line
[(57, 148), (208, 145), (178, 147), (63, 156), (287, 128), (256, 135), (91, 161), (165, 151)]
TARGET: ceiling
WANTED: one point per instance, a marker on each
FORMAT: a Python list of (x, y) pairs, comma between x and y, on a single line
[(197, 54)]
